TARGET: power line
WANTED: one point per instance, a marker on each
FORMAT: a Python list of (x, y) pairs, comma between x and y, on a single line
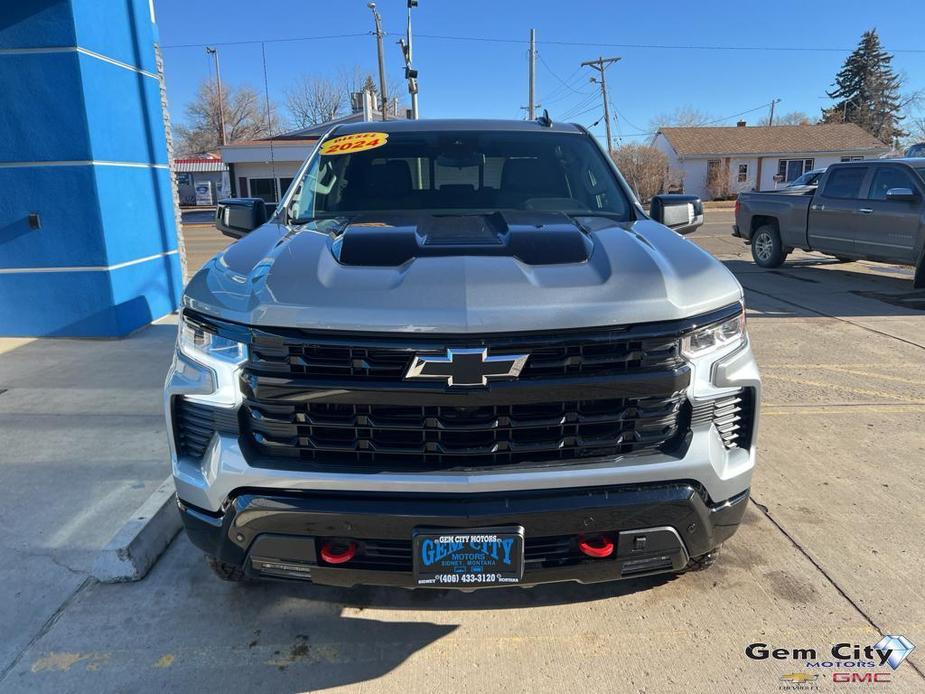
[(568, 113), (258, 41), (710, 122), (662, 46), (486, 39), (553, 73)]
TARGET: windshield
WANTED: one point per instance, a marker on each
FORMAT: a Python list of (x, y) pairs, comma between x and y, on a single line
[(921, 172), (810, 178), (458, 172)]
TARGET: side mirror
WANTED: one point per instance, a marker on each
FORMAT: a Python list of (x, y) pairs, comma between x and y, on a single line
[(680, 213), (236, 217), (901, 194)]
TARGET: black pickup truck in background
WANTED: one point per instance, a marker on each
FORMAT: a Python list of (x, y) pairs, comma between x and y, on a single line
[(870, 210)]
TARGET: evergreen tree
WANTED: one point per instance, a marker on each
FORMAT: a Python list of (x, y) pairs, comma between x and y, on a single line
[(866, 91)]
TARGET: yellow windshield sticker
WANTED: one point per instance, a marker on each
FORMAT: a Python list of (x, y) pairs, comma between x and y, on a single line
[(348, 144)]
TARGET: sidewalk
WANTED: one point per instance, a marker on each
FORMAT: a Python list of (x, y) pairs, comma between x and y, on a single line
[(82, 445)]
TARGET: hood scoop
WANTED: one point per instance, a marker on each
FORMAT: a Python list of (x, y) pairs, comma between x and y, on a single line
[(534, 238)]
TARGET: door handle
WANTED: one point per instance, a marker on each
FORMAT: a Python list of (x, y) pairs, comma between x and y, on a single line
[(865, 210)]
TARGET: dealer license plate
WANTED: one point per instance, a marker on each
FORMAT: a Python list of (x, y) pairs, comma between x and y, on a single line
[(468, 558)]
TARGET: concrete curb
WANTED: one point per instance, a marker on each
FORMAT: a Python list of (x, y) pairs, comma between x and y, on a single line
[(136, 546)]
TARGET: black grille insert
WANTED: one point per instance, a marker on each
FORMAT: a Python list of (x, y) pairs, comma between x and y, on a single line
[(411, 437), (195, 424), (587, 354)]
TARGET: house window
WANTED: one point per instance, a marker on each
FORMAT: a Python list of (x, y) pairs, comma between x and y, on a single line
[(713, 168), (263, 188), (791, 169), (284, 184), (743, 173), (852, 158)]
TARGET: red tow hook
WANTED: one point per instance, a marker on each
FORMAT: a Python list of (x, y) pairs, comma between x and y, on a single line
[(338, 552), (598, 547)]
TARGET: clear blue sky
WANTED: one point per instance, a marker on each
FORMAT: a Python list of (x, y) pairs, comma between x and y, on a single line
[(462, 78)]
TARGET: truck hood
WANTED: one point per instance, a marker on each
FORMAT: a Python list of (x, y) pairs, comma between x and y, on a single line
[(602, 273)]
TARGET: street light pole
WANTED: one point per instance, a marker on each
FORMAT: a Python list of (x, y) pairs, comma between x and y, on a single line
[(410, 73), (382, 88), (531, 101), (221, 101)]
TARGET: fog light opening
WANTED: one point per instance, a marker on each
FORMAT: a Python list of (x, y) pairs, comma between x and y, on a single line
[(338, 551), (597, 547)]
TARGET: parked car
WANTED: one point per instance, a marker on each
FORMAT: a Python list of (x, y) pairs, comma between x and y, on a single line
[(916, 151), (873, 210), (461, 354), (805, 183)]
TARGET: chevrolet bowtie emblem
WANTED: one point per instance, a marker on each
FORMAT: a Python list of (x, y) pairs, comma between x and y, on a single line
[(466, 367)]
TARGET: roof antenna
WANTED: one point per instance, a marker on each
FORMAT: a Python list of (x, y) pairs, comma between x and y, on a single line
[(545, 120)]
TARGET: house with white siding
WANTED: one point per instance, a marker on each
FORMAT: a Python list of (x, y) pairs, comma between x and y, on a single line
[(720, 162)]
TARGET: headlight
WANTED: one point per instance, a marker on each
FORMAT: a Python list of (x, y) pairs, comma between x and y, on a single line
[(713, 338), (209, 348)]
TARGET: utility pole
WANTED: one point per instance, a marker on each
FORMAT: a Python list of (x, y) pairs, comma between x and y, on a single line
[(382, 89), (531, 106), (771, 118), (601, 64), (410, 73), (218, 82)]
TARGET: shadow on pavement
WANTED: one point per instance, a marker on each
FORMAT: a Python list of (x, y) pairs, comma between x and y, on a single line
[(362, 597)]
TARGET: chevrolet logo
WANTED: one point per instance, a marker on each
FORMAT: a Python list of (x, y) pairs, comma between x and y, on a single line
[(799, 678), (466, 367)]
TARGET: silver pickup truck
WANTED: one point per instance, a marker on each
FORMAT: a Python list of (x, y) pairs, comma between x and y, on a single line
[(872, 210), (460, 354)]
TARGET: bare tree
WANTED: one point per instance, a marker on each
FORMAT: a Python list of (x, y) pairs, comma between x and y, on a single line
[(718, 180), (356, 79), (793, 118), (313, 99), (681, 117), (645, 168), (246, 118)]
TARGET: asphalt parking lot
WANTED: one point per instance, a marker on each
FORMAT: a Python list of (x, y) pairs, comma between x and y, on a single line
[(830, 551)]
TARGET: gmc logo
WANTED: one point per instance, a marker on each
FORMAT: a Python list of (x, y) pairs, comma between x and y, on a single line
[(865, 677)]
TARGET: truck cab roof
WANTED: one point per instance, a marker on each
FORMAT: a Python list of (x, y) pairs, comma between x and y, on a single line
[(456, 124)]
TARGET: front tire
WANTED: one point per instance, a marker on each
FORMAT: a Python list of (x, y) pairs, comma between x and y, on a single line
[(767, 249)]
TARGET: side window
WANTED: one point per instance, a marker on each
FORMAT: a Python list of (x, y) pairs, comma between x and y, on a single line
[(888, 177), (845, 183)]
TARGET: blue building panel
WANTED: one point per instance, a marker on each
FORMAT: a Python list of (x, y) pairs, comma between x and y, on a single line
[(123, 110), (132, 44), (57, 304), (145, 291), (84, 134), (43, 116), (36, 24), (71, 230), (136, 208), (89, 303)]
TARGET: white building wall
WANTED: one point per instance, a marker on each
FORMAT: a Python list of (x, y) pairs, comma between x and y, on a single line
[(694, 172), (751, 175)]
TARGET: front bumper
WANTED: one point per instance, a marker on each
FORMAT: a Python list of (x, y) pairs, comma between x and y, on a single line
[(278, 535)]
